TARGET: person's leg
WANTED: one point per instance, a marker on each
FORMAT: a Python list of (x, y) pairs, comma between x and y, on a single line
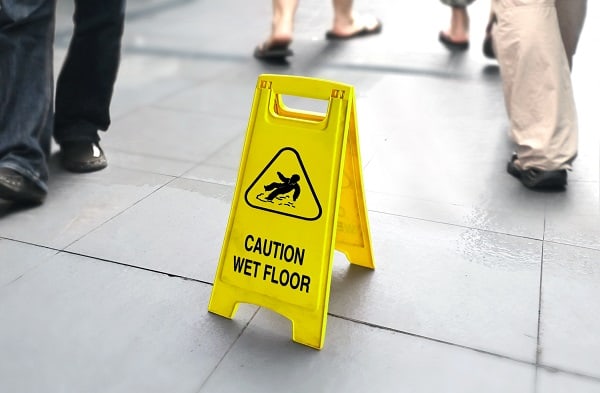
[(459, 25), (26, 49), (347, 23), (537, 86), (85, 84), (488, 42), (457, 36), (282, 30), (282, 25), (571, 15)]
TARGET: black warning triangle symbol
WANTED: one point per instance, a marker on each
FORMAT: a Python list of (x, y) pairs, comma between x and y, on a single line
[(283, 187)]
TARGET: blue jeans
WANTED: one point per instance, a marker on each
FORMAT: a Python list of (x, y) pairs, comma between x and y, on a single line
[(83, 89)]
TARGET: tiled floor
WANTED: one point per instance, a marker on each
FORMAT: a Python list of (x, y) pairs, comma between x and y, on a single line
[(481, 285)]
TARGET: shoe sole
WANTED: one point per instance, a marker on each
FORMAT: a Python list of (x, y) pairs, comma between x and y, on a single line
[(539, 180), (76, 157), (548, 180), (451, 45), (85, 167), (277, 51), (9, 194)]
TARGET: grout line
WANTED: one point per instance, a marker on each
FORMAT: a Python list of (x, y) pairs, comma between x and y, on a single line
[(487, 230), (173, 178), (456, 225), (63, 251), (538, 347), (185, 278), (229, 349), (497, 355), (243, 58), (572, 245), (155, 9), (134, 14), (348, 319), (389, 329), (539, 321), (147, 155)]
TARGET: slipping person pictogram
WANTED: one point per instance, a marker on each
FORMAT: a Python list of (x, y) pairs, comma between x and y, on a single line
[(278, 186), (287, 185)]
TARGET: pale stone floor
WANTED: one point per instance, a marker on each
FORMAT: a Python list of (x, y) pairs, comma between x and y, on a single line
[(481, 285)]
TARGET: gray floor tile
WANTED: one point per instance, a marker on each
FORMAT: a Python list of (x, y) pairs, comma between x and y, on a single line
[(80, 325), (169, 134), (585, 75), (358, 358), (77, 204), (147, 163), (573, 217), (16, 259), (552, 382), (464, 286), (416, 170), (229, 155), (198, 26), (570, 316), (518, 221), (458, 243), (586, 167), (213, 174), (229, 98), (161, 236), (157, 76)]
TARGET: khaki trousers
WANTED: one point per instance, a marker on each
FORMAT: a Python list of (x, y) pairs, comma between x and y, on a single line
[(535, 41)]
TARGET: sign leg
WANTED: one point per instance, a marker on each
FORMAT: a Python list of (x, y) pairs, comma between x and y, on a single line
[(309, 332), (221, 301)]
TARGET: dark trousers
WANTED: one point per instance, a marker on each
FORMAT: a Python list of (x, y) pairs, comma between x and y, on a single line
[(84, 86)]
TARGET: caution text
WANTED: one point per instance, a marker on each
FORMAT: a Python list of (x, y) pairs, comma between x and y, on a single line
[(271, 274)]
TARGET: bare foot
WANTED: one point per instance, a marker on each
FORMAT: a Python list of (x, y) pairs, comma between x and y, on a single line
[(357, 24)]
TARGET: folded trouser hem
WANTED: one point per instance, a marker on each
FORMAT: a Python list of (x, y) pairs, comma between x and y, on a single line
[(78, 132), (29, 174)]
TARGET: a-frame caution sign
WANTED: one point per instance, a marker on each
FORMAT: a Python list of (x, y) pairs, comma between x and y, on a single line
[(299, 196)]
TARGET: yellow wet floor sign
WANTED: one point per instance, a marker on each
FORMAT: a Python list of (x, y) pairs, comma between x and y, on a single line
[(299, 196)]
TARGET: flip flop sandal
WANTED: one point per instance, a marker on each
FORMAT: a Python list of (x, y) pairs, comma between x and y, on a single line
[(453, 45), (275, 50)]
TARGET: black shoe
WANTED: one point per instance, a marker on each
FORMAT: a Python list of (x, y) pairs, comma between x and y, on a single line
[(537, 178), (453, 46), (82, 157), (17, 188), (488, 48), (273, 51)]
